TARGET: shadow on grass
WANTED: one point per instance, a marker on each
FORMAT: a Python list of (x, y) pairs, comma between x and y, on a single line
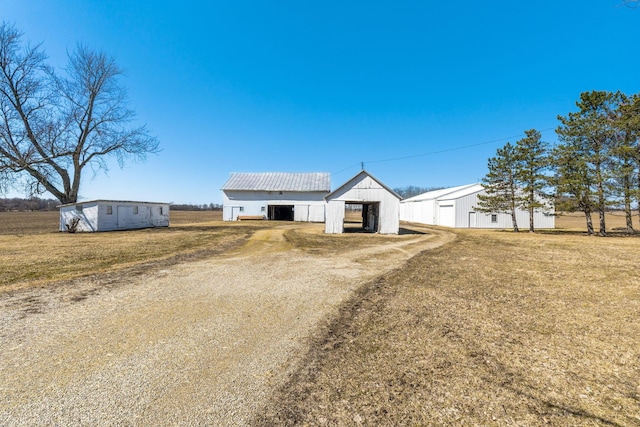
[(610, 233), (360, 230)]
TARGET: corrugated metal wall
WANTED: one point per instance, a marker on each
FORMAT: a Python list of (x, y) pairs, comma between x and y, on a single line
[(334, 223), (307, 206), (460, 212)]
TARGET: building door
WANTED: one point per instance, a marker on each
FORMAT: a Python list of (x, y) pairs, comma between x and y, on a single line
[(447, 217), (281, 212), (125, 216), (472, 220)]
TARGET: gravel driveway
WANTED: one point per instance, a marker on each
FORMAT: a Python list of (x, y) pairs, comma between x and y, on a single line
[(200, 343)]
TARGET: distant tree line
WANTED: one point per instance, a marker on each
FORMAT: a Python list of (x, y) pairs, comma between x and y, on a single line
[(32, 204), (190, 207), (595, 167), (413, 190)]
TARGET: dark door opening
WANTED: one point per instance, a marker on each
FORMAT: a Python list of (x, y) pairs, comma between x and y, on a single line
[(281, 212), (361, 217)]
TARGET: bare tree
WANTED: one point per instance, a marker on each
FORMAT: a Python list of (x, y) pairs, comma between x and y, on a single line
[(52, 127)]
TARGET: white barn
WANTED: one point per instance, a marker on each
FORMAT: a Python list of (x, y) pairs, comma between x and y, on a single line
[(380, 205), (455, 207), (109, 215), (276, 196)]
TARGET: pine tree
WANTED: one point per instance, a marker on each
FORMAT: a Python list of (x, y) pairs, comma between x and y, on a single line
[(626, 154), (572, 181), (531, 163), (500, 184), (590, 132)]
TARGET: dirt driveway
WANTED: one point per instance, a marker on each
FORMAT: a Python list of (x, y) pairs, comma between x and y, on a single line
[(200, 343)]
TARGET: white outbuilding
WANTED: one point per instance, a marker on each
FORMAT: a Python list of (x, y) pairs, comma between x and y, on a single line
[(456, 207), (276, 196), (110, 215), (380, 205)]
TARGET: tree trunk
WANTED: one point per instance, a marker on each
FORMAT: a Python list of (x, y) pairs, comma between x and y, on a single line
[(601, 201), (627, 204), (638, 188), (514, 220), (531, 211), (587, 215), (603, 227)]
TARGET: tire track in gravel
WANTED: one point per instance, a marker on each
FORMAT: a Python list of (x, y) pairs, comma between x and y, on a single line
[(199, 343)]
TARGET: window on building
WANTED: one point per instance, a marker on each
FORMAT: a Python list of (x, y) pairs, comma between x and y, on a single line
[(135, 210), (160, 210), (241, 208), (494, 218), (109, 210), (262, 209)]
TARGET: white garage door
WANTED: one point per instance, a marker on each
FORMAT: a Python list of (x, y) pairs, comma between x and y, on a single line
[(447, 216)]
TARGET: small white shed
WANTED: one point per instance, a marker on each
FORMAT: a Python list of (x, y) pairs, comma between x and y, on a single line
[(109, 215), (380, 205), (455, 207)]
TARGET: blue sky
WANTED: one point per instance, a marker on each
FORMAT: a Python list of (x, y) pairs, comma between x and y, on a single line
[(304, 86)]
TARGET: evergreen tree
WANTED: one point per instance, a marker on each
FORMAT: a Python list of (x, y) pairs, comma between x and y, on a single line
[(626, 154), (590, 132), (500, 184), (531, 162), (572, 181)]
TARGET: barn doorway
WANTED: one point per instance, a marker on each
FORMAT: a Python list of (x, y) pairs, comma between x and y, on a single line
[(361, 217), (281, 212)]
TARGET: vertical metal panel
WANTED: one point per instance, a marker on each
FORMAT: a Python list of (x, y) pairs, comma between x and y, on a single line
[(301, 213), (447, 215), (256, 203), (334, 223)]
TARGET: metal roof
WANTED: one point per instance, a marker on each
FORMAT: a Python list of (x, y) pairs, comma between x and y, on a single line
[(446, 193), (279, 181), (87, 202)]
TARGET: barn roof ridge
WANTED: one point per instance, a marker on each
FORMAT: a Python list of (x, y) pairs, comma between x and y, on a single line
[(442, 192), (279, 181)]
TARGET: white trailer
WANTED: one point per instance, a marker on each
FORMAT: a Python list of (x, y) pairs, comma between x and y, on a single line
[(110, 215)]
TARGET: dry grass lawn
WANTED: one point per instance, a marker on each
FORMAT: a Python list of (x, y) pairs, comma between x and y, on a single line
[(495, 328), (33, 252)]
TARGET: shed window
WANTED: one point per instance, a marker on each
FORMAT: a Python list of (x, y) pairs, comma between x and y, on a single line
[(160, 210), (262, 209), (109, 210), (494, 218), (78, 208), (135, 210)]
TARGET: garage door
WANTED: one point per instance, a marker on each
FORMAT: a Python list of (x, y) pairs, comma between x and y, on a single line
[(447, 216)]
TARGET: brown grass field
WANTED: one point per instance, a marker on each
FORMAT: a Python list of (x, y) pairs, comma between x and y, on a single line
[(33, 252), (495, 328)]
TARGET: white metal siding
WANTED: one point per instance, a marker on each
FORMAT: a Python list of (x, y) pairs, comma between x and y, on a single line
[(334, 223), (95, 217), (464, 200), (446, 215), (88, 217), (308, 206)]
